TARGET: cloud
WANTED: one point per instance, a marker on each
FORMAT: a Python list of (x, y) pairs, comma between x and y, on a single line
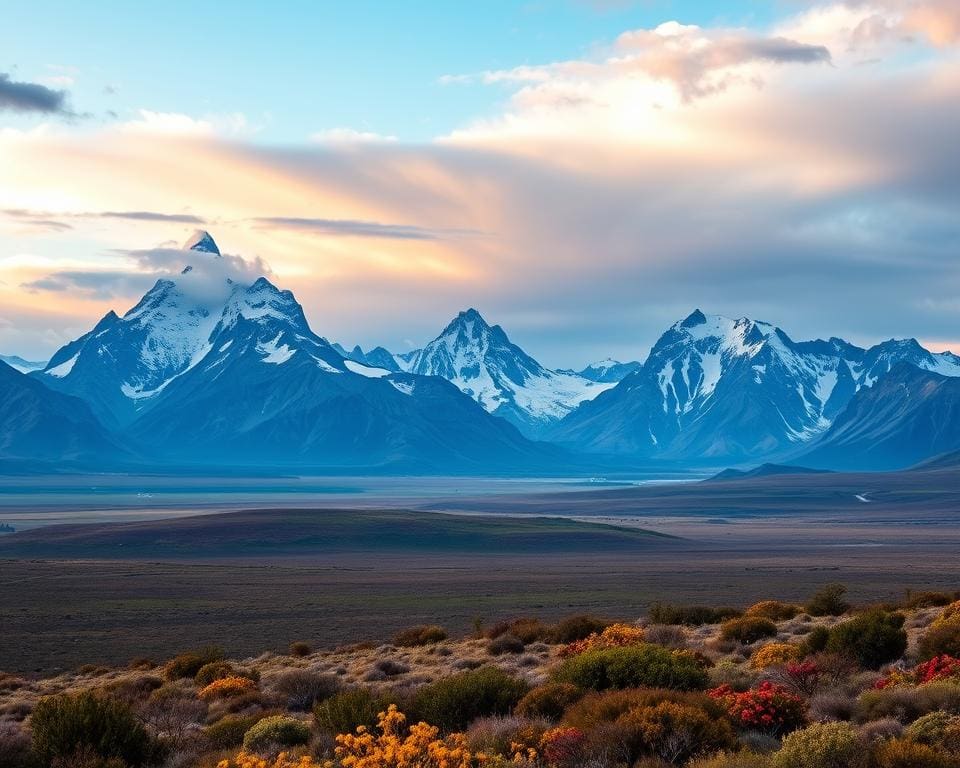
[(354, 228), (30, 97), (54, 221), (340, 136)]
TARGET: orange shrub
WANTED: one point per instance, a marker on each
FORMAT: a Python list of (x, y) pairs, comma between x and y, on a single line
[(773, 610), (283, 760), (772, 654), (227, 688), (614, 636)]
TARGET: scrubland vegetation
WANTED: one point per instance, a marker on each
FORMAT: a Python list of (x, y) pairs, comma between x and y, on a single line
[(820, 685)]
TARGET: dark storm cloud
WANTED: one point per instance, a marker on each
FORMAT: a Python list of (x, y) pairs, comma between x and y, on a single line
[(30, 97)]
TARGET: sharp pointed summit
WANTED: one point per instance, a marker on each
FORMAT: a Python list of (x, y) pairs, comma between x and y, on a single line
[(202, 241)]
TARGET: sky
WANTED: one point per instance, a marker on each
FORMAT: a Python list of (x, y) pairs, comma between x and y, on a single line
[(583, 172)]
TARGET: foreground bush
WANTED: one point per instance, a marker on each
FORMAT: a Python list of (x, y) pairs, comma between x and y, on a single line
[(908, 704), (345, 711), (768, 708), (904, 753), (772, 654), (453, 702), (873, 639), (549, 700), (229, 731), (747, 629), (824, 745), (941, 639), (596, 710), (276, 731), (67, 724), (395, 746), (427, 634), (672, 732), (640, 666)]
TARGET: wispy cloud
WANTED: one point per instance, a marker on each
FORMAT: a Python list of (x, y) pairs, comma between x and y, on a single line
[(356, 228)]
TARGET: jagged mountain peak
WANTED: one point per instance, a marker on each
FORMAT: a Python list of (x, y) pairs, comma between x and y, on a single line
[(202, 241)]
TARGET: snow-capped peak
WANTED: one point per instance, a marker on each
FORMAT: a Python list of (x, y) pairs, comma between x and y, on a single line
[(202, 241)]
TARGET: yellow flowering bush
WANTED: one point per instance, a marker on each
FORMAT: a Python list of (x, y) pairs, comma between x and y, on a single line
[(614, 636), (772, 654), (397, 746), (283, 760), (227, 688), (950, 613)]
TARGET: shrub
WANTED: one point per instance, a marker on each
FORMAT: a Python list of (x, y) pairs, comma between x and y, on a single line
[(873, 639), (769, 708), (930, 728), (228, 688), (907, 704), (916, 600), (747, 629), (65, 724), (691, 615), (773, 610), (528, 630), (639, 666), (427, 634), (229, 731), (828, 601), (731, 760), (574, 628), (395, 746), (942, 638), (668, 635), (614, 636), (505, 644), (387, 668), (903, 753), (549, 700), (302, 688), (505, 735), (816, 640), (773, 654), (346, 710), (14, 746), (564, 747), (276, 731), (881, 730), (189, 664), (673, 732), (598, 709), (453, 702), (824, 745), (215, 670), (300, 649)]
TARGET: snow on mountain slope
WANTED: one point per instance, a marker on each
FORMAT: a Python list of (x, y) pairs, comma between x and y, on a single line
[(23, 366), (714, 387), (606, 371), (482, 362)]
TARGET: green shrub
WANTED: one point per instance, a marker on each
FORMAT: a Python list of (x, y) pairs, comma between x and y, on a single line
[(300, 649), (215, 670), (747, 629), (549, 700), (577, 627), (672, 732), (943, 637), (824, 745), (276, 731), (930, 728), (189, 664), (828, 601), (816, 640), (344, 711), (690, 615), (66, 724), (908, 704), (903, 753), (229, 731), (873, 639), (451, 703), (636, 666), (421, 635)]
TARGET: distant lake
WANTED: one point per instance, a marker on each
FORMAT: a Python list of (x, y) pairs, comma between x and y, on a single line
[(30, 502)]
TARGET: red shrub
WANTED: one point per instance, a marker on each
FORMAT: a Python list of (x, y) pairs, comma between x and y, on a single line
[(768, 707)]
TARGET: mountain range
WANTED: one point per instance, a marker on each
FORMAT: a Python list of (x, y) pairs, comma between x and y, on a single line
[(212, 369)]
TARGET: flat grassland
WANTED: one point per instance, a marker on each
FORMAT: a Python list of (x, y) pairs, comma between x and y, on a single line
[(257, 580)]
